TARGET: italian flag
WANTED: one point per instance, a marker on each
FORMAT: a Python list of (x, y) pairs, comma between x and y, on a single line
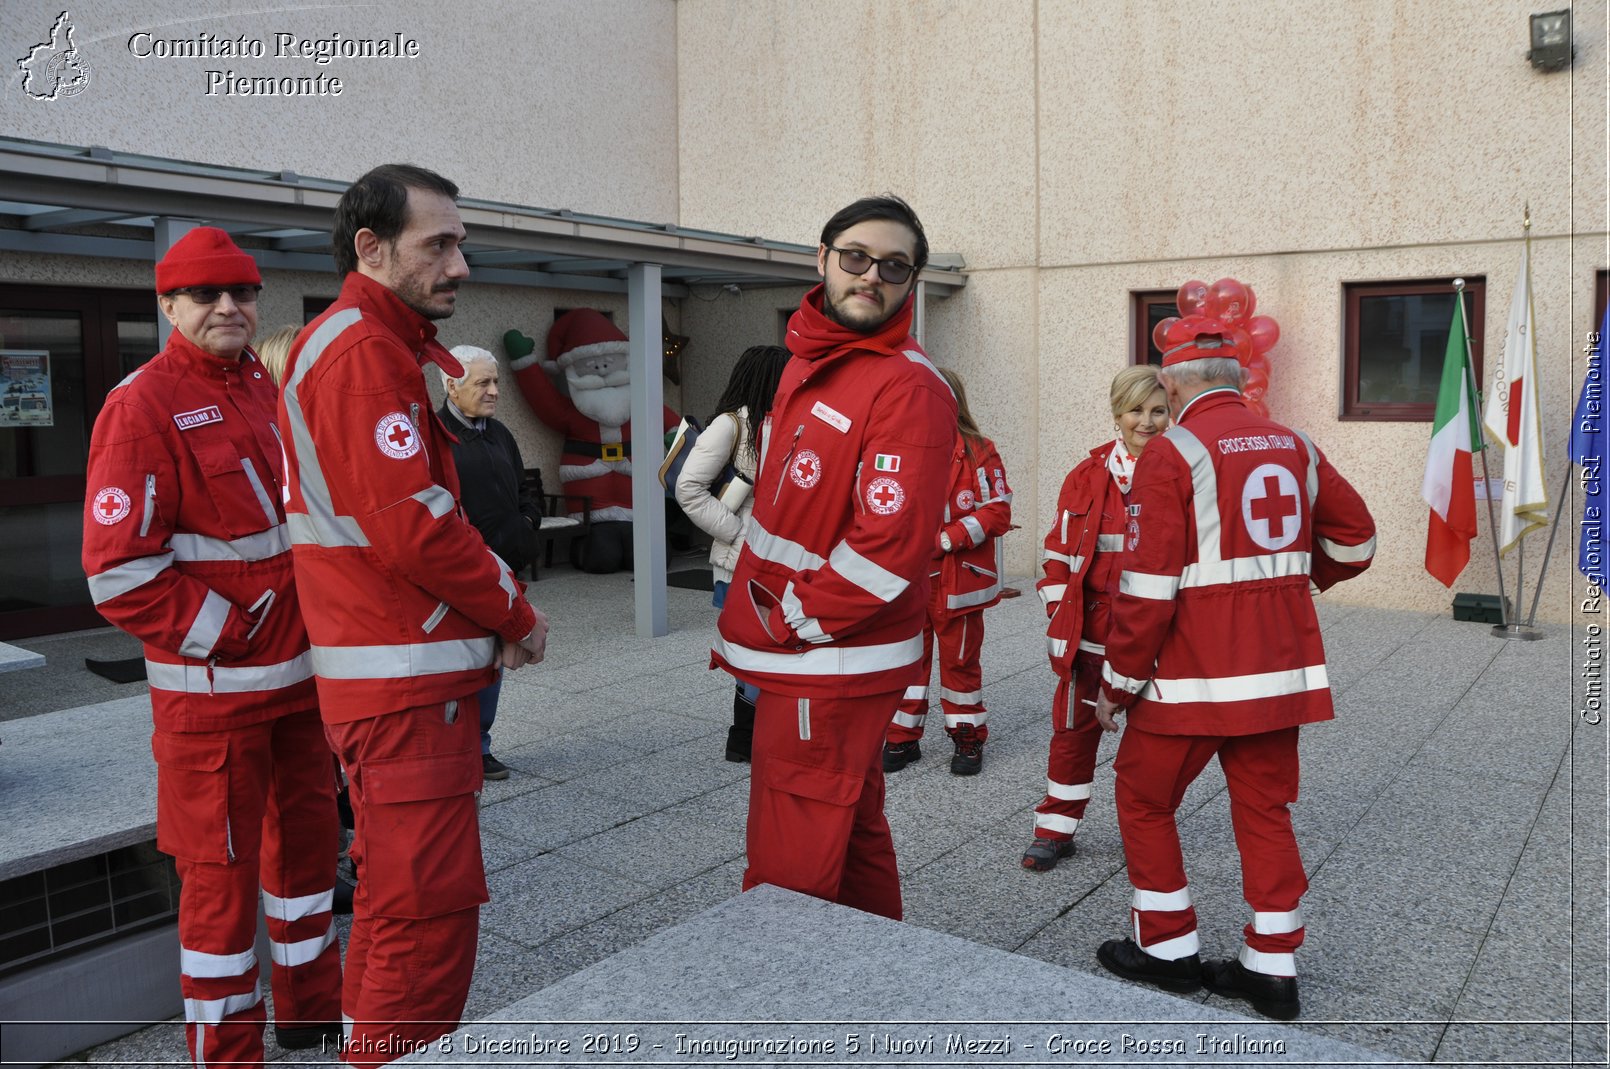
[(1449, 486)]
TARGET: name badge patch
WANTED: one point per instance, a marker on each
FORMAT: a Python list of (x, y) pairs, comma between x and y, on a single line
[(832, 417), (197, 417)]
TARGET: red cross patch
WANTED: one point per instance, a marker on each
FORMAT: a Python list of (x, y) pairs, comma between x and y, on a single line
[(109, 505), (885, 496), (806, 469), (1271, 506), (965, 500), (396, 436)]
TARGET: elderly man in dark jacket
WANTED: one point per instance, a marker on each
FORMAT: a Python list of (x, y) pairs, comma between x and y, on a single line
[(490, 474)]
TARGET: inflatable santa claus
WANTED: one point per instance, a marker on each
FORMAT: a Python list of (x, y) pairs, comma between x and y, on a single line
[(595, 420)]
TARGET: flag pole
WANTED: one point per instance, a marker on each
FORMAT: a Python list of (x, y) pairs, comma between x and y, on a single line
[(1486, 476), (1548, 550)]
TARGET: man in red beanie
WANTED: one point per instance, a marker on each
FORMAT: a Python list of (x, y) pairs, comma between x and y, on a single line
[(186, 549), (407, 609), (1215, 650)]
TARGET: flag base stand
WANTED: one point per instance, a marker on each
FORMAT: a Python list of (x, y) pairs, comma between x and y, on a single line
[(1519, 632)]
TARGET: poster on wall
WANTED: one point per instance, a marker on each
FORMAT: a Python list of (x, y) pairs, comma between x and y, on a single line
[(25, 397)]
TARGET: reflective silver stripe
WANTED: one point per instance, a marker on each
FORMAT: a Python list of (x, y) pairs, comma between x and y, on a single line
[(1204, 491), (1006, 497), (826, 660), (434, 618), (346, 1027), (402, 661), (1109, 543), (437, 500), (1246, 569), (1057, 646), (770, 547), (1268, 964), (1348, 554), (253, 547), (260, 490), (975, 530), (290, 955), (192, 678), (1074, 792), (983, 485), (977, 597), (954, 720), (805, 719), (1071, 560), (917, 358), (1087, 646), (961, 697), (1148, 585), (867, 574), (808, 628), (1123, 683), (207, 627), (150, 502), (1238, 688), (1277, 923), (115, 582), (200, 965), (910, 720), (1056, 822), (1170, 949), (1313, 468), (294, 909), (916, 694), (1164, 901), (1052, 592), (320, 526), (214, 1010)]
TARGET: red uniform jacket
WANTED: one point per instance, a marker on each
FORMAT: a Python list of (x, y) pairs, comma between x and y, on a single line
[(185, 542), (402, 598), (830, 594), (1082, 562), (978, 510), (1214, 630)]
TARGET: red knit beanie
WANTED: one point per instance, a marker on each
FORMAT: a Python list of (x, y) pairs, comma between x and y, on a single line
[(206, 257)]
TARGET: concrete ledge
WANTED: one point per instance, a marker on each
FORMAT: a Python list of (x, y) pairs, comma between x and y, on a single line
[(13, 659), (774, 966), (76, 783)]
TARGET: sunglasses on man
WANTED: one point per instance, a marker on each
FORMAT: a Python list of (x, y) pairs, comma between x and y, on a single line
[(210, 294), (856, 262)]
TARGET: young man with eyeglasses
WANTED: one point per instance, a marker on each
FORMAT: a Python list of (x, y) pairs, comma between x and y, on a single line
[(830, 594), (186, 549)]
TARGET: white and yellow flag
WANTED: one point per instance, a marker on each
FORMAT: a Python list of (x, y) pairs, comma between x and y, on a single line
[(1511, 416)]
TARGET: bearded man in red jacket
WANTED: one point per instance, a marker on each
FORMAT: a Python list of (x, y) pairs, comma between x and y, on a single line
[(1215, 650), (830, 594)]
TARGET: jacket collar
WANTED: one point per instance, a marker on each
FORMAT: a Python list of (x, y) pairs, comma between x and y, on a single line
[(203, 362), (813, 336), (1208, 400), (414, 330)]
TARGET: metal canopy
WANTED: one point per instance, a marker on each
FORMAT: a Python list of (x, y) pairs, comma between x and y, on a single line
[(95, 202)]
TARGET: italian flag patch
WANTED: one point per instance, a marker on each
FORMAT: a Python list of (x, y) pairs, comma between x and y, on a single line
[(886, 462)]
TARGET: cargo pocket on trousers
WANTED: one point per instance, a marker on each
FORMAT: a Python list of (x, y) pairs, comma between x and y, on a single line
[(829, 785), (422, 842), (192, 796)]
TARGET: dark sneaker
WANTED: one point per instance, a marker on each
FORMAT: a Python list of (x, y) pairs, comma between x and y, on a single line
[(897, 755), (739, 744), (492, 768), (1043, 854), (969, 756), (1272, 996), (1123, 957), (326, 1037)]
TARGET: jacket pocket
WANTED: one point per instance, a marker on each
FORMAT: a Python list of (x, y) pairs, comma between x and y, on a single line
[(193, 796), (236, 492)]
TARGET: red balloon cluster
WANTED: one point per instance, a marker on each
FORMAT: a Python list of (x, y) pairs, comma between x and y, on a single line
[(1230, 303)]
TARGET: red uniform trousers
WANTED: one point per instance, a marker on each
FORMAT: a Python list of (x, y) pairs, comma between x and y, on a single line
[(412, 777), (961, 678), (1075, 738), (1261, 772), (241, 808), (816, 822)]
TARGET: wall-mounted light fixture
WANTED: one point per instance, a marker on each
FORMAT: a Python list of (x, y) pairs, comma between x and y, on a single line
[(1551, 41)]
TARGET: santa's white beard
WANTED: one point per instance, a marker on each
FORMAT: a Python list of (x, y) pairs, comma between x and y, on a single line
[(608, 403)]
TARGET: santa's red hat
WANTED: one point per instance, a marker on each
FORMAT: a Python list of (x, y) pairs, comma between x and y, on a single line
[(580, 333)]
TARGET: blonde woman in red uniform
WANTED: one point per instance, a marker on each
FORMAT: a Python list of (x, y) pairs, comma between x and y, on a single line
[(966, 580), (1082, 552)]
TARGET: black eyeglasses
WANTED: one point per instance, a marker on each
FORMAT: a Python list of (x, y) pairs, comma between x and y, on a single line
[(856, 262), (210, 294)]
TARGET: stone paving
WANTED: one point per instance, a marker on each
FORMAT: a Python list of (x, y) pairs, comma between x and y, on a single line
[(1452, 819)]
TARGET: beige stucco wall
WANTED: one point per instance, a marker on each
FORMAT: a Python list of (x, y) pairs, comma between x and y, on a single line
[(1075, 153)]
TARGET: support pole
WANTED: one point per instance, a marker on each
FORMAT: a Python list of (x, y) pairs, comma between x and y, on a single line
[(1548, 550), (646, 358), (164, 235), (1472, 393)]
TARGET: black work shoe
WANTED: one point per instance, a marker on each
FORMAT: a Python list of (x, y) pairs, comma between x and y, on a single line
[(326, 1036), (969, 756), (1043, 854), (492, 768), (897, 755), (739, 744), (1123, 957), (341, 901), (1272, 996)]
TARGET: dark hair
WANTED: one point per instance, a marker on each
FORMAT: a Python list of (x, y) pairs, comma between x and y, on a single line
[(889, 207), (752, 386), (379, 201)]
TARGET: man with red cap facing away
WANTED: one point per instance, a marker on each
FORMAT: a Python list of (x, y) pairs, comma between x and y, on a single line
[(830, 594), (407, 609), (186, 549), (1215, 649)]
